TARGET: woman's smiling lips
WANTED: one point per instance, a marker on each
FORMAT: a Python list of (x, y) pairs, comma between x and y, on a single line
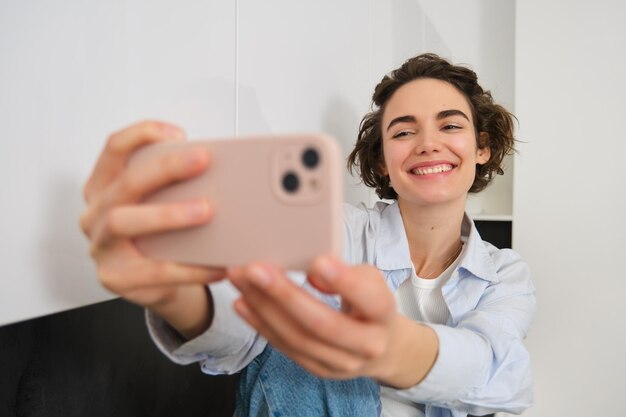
[(432, 167)]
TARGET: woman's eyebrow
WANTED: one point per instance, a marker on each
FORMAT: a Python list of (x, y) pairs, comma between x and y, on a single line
[(401, 119), (453, 112), (441, 115)]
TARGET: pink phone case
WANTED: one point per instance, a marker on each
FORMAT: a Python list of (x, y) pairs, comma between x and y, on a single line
[(275, 199)]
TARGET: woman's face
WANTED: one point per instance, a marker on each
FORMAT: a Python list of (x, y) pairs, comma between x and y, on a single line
[(429, 143)]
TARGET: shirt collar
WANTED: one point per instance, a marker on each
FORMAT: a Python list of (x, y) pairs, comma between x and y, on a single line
[(392, 246), (476, 258)]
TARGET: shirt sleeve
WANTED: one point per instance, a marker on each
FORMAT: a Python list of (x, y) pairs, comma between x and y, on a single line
[(225, 348), (482, 365)]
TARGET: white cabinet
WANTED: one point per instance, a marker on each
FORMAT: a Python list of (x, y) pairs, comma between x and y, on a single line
[(71, 73)]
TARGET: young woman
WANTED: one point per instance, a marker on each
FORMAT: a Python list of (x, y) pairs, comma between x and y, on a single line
[(419, 305)]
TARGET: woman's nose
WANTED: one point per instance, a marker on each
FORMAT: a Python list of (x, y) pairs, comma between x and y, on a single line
[(427, 142)]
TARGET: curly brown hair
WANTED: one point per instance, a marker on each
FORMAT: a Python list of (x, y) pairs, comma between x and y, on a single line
[(489, 117)]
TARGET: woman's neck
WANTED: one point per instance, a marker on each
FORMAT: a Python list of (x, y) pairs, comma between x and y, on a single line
[(434, 235)]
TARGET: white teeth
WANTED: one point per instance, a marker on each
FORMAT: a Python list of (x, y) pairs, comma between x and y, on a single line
[(432, 170)]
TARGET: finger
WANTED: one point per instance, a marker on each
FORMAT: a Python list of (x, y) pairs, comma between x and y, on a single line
[(121, 145), (280, 297), (123, 276), (361, 287), (136, 220), (150, 174), (318, 358), (144, 178)]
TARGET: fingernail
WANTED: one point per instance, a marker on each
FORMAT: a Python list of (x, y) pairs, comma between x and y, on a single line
[(260, 276), (328, 269)]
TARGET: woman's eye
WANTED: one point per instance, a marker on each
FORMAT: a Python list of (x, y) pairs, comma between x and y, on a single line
[(402, 133), (451, 127)]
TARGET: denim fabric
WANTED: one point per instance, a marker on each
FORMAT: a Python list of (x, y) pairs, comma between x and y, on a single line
[(272, 385)]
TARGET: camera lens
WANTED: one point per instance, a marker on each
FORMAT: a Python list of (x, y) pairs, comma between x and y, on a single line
[(310, 158), (291, 183)]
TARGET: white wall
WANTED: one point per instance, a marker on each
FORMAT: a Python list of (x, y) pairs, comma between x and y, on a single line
[(569, 204), (71, 73)]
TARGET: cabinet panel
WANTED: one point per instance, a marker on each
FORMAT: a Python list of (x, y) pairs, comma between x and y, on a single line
[(304, 66), (70, 74)]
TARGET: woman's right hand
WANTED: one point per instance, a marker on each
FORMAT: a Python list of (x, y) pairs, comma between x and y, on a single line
[(114, 217)]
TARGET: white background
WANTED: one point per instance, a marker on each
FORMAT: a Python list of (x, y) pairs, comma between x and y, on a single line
[(72, 72)]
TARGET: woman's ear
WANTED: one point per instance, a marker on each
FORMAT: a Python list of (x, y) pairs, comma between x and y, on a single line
[(483, 153), (382, 168)]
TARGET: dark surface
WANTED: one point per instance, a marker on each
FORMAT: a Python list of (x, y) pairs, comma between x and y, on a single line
[(99, 361), (498, 233)]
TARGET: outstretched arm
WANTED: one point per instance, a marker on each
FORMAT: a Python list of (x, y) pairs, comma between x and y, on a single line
[(368, 337)]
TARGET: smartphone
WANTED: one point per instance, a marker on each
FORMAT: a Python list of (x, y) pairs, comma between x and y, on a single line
[(275, 199)]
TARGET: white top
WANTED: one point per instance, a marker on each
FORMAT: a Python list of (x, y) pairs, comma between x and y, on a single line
[(421, 300)]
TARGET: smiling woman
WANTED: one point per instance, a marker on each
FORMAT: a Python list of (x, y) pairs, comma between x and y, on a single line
[(420, 317), (434, 136)]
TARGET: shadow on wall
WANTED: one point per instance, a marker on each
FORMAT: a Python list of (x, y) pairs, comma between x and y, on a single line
[(63, 252), (409, 38), (250, 115), (336, 121)]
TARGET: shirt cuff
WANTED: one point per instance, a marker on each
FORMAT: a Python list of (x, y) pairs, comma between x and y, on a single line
[(227, 346), (458, 367)]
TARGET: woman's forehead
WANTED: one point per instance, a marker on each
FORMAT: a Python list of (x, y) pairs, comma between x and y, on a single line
[(425, 97)]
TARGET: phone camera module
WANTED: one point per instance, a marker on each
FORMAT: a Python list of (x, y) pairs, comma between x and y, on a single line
[(291, 183), (310, 158)]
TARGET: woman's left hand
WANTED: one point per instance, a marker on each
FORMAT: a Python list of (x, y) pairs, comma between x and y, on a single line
[(366, 338)]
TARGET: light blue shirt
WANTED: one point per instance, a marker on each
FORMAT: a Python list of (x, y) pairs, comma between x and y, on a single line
[(482, 365)]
